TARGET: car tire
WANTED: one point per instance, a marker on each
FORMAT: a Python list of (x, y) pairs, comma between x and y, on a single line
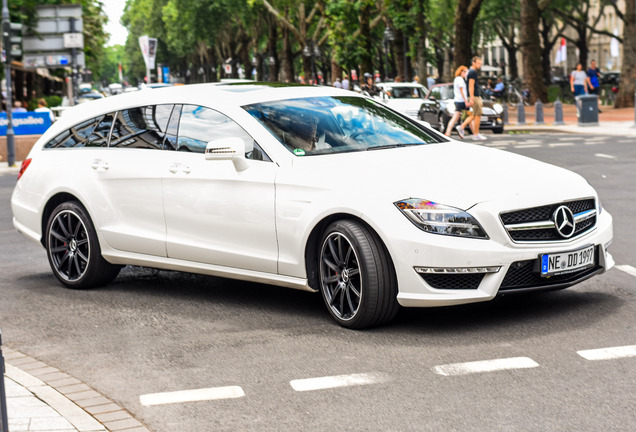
[(357, 278), (498, 130), (441, 126), (73, 249)]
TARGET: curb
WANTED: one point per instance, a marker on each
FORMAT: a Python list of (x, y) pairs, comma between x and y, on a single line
[(83, 407)]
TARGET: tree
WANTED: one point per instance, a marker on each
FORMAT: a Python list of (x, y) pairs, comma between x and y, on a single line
[(625, 96), (465, 16), (531, 48), (501, 18)]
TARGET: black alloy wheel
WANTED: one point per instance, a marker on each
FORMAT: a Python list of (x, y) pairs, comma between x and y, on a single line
[(357, 279), (73, 249)]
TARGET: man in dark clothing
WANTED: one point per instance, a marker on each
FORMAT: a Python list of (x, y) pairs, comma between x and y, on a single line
[(594, 80), (369, 87)]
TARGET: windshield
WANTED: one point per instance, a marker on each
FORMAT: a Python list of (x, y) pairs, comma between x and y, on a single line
[(405, 92), (325, 125)]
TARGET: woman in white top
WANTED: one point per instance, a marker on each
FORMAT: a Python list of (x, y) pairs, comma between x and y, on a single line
[(460, 99), (578, 81)]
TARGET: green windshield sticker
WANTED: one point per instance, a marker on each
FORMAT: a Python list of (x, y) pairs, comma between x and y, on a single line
[(299, 152)]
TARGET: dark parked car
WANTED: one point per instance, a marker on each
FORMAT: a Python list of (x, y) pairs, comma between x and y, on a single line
[(438, 108)]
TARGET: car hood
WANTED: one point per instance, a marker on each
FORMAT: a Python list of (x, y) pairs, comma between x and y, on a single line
[(456, 174)]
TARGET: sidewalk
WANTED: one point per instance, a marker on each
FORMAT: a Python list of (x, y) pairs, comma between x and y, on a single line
[(41, 398), (612, 121)]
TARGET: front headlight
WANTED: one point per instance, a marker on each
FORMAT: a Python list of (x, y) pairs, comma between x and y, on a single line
[(498, 108), (440, 219)]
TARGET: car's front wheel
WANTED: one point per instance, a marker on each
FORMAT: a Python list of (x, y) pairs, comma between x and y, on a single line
[(357, 278), (73, 249)]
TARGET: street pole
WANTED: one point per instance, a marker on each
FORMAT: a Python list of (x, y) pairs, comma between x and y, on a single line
[(74, 67), (6, 42), (3, 395)]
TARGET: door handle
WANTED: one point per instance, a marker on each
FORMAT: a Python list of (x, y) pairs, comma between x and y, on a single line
[(100, 165), (177, 167)]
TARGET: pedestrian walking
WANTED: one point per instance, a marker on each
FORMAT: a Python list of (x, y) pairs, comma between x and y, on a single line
[(460, 98), (578, 81), (345, 82), (337, 83), (474, 100)]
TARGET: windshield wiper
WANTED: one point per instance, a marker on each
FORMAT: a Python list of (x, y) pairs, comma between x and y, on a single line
[(388, 146)]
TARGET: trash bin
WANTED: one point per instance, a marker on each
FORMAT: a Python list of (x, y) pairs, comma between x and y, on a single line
[(587, 110)]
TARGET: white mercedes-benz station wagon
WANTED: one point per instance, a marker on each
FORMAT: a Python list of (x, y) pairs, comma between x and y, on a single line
[(310, 188)]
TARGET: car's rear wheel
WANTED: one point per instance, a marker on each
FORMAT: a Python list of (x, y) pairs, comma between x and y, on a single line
[(357, 278), (73, 249)]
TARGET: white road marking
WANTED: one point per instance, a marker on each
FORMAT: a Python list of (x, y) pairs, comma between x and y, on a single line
[(524, 146), (608, 353), (593, 142), (485, 366), (205, 394), (606, 156), (627, 269), (596, 138), (560, 145), (569, 138), (328, 382)]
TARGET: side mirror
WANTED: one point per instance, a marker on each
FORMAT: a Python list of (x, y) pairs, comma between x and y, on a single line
[(231, 148)]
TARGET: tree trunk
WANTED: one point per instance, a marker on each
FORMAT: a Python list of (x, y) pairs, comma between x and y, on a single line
[(421, 35), (336, 70), (398, 49), (531, 50), (465, 15), (366, 61), (288, 58), (625, 96)]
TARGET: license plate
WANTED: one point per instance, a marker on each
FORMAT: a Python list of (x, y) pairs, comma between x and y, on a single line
[(567, 262)]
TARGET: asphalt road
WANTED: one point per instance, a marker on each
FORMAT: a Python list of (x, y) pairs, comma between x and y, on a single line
[(155, 331)]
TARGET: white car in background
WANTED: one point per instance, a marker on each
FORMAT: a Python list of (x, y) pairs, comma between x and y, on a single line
[(406, 98), (312, 188)]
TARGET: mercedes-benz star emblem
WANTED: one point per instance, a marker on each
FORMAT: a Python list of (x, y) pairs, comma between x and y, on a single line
[(564, 221)]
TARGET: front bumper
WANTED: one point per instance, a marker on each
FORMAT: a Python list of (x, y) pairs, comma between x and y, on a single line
[(473, 270)]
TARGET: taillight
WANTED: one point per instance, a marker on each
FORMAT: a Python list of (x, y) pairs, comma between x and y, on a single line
[(23, 167)]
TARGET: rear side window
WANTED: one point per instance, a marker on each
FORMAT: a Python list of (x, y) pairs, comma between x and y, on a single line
[(90, 133), (141, 127)]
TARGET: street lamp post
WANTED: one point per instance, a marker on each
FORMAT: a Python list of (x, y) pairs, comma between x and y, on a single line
[(6, 41), (311, 51), (389, 36)]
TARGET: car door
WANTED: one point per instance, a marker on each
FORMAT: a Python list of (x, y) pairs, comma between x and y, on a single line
[(215, 214), (130, 190)]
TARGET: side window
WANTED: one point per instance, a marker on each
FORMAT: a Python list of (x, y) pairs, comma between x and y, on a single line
[(90, 133), (200, 125), (141, 127), (436, 94), (170, 140)]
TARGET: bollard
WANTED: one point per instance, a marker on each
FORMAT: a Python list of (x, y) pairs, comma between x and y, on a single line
[(538, 113), (504, 114), (4, 422), (634, 125), (521, 114), (558, 113)]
